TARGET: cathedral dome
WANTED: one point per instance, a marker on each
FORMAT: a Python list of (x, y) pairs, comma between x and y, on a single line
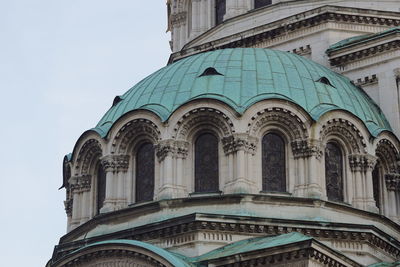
[(241, 77)]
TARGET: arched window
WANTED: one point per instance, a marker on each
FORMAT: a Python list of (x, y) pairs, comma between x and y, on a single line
[(101, 187), (334, 172), (376, 186), (261, 3), (273, 163), (220, 11), (145, 172), (206, 163)]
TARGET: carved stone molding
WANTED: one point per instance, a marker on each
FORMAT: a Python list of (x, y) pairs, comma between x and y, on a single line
[(365, 52), (387, 154), (68, 206), (176, 148), (368, 80), (306, 148), (240, 141), (80, 183), (115, 163), (349, 134), (299, 22), (131, 131), (280, 117), (392, 181), (362, 162), (196, 118), (90, 150), (178, 19)]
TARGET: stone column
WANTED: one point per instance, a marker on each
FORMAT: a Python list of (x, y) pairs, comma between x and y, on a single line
[(299, 148), (392, 185), (122, 165), (178, 22), (195, 18), (85, 183), (238, 148), (361, 166), (110, 167), (308, 154), (75, 192), (369, 165), (357, 168), (171, 155), (181, 153)]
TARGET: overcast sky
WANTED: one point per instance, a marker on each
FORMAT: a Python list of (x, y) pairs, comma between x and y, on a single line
[(62, 62)]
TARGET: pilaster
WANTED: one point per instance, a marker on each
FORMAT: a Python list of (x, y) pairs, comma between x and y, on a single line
[(308, 153), (240, 149), (115, 167), (171, 155), (361, 166), (392, 181)]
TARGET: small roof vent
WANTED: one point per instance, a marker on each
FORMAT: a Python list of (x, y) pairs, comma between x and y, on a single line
[(325, 81), (210, 72), (117, 99)]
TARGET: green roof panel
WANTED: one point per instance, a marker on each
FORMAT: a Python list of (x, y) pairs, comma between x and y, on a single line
[(248, 75)]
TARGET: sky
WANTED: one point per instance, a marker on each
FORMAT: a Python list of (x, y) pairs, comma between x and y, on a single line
[(62, 62)]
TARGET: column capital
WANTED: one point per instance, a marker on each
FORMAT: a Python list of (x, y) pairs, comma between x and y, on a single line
[(362, 162), (392, 181), (115, 163), (80, 183), (178, 19), (239, 141), (307, 148), (171, 147)]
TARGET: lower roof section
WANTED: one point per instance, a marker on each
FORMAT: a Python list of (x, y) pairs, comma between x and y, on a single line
[(185, 225)]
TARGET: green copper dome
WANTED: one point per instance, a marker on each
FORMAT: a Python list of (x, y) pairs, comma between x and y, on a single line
[(241, 77)]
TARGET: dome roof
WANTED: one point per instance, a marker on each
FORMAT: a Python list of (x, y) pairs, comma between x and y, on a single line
[(241, 77)]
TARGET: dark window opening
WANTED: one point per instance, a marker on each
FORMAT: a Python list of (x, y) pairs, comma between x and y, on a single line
[(334, 172), (210, 72), (273, 163), (206, 163), (101, 187), (220, 10), (325, 81), (145, 173), (261, 3), (376, 186)]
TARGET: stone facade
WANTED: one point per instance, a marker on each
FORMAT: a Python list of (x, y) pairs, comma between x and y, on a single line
[(359, 230)]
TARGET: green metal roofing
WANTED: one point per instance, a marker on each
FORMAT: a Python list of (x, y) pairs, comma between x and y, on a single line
[(172, 258), (361, 39), (249, 75), (252, 244)]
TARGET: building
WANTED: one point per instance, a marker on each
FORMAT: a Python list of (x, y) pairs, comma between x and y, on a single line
[(270, 139)]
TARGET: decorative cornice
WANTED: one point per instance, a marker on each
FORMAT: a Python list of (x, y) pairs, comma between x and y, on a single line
[(291, 24), (364, 52), (368, 80), (362, 162), (239, 141)]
